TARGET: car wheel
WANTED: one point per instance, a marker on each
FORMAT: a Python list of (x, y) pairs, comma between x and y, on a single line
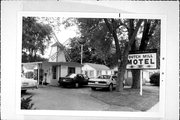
[(76, 85), (110, 87), (93, 88)]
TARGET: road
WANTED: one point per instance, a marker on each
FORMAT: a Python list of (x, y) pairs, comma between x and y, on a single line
[(57, 98)]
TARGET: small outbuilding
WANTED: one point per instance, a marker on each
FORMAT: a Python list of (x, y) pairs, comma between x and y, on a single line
[(93, 70)]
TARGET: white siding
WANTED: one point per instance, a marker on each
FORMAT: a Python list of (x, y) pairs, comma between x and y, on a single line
[(60, 56), (64, 71), (89, 69), (103, 72), (53, 50), (106, 72), (78, 70)]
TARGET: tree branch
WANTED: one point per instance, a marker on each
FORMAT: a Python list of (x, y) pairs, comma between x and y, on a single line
[(113, 32), (129, 44)]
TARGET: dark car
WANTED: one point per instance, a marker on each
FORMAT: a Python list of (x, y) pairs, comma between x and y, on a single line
[(73, 80)]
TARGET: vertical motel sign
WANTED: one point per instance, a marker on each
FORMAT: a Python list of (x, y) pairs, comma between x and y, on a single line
[(142, 60)]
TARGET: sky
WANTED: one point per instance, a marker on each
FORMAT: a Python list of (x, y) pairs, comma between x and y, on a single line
[(63, 37)]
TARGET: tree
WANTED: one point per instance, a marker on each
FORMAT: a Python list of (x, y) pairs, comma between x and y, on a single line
[(112, 39), (97, 37), (35, 38), (150, 40), (102, 32), (89, 54), (122, 56)]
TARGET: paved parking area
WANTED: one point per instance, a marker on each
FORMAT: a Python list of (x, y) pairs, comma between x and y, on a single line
[(57, 98)]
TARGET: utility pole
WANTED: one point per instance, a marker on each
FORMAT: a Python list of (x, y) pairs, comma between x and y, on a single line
[(81, 53)]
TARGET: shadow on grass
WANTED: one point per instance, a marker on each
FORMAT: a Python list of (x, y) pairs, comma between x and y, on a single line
[(129, 98)]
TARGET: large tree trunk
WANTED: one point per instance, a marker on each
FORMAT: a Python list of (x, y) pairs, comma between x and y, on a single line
[(121, 72), (122, 58), (143, 45), (135, 79), (147, 33)]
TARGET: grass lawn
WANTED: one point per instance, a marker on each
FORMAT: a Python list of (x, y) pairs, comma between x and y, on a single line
[(130, 97)]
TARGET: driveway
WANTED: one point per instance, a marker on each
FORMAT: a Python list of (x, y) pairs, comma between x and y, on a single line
[(57, 98)]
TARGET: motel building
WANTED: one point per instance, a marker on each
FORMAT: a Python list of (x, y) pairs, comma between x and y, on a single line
[(93, 70), (50, 71)]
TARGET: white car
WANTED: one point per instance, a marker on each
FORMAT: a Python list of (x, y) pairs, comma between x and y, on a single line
[(103, 81), (27, 84)]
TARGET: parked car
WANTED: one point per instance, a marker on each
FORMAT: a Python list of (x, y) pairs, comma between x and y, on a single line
[(75, 80), (27, 84), (104, 81)]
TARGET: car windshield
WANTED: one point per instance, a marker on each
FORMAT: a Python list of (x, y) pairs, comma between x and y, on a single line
[(114, 77), (71, 75), (104, 77)]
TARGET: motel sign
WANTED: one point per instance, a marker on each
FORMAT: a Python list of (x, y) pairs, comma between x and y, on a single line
[(142, 61)]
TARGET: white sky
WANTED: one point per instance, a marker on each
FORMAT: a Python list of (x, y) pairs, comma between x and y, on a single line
[(63, 37)]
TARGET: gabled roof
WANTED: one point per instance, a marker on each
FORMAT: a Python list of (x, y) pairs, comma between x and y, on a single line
[(55, 44), (98, 66), (58, 44)]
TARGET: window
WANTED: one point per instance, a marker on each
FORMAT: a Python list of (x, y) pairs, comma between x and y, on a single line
[(91, 73), (71, 70), (54, 72), (99, 73), (106, 72)]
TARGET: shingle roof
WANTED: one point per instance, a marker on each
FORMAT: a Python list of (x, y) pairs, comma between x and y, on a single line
[(98, 66)]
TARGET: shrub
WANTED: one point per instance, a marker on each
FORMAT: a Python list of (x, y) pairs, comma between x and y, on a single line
[(26, 103), (154, 79)]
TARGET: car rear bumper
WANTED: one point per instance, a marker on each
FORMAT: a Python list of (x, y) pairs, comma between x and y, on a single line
[(99, 85)]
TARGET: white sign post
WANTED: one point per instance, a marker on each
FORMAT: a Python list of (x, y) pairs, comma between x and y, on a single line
[(145, 60), (141, 79)]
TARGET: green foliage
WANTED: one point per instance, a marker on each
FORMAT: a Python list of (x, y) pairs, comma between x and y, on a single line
[(88, 52), (35, 38), (154, 79), (26, 103), (98, 40), (29, 58), (111, 39)]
